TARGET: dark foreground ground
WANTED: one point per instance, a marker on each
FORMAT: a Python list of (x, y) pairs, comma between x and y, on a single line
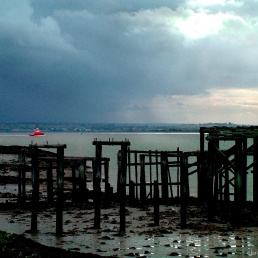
[(13, 246)]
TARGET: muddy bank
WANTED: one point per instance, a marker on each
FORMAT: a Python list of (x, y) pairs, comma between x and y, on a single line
[(13, 246), (142, 237)]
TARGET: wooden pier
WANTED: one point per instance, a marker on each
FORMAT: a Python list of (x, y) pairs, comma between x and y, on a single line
[(145, 177)]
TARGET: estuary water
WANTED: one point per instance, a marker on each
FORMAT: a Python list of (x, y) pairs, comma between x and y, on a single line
[(80, 144)]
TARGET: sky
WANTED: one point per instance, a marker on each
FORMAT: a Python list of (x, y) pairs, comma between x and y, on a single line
[(137, 61)]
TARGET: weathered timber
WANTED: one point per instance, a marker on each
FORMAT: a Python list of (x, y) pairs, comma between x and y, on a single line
[(156, 203), (35, 189)]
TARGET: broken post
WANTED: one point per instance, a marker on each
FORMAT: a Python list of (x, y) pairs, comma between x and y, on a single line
[(82, 181), (49, 182), (35, 188), (142, 180), (184, 188), (122, 187), (131, 193), (164, 176), (107, 185), (255, 171), (156, 203), (73, 183), (96, 184), (60, 185)]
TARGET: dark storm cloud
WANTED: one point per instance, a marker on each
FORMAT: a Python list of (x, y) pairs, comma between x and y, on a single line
[(87, 60)]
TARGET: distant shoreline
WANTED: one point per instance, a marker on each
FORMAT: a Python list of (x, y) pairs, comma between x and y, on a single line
[(108, 127)]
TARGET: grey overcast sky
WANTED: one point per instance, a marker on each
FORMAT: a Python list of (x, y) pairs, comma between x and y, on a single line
[(137, 61)]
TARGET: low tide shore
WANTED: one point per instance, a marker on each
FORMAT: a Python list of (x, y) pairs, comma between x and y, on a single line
[(142, 237)]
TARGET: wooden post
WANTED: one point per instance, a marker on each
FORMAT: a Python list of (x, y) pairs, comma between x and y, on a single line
[(164, 176), (82, 181), (209, 183), (136, 174), (255, 171), (225, 204), (220, 186), (183, 179), (157, 165), (19, 184), (23, 175), (129, 163), (216, 165), (202, 168), (244, 170), (156, 203), (226, 191), (150, 161), (132, 193), (142, 179), (178, 172), (35, 189), (49, 182), (238, 181), (96, 184), (74, 179), (21, 179), (119, 171), (216, 187), (107, 185), (122, 187), (60, 185)]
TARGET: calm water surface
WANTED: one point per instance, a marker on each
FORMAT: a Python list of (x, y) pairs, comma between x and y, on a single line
[(81, 145)]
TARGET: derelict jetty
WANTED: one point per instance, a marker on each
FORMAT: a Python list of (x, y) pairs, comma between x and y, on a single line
[(145, 177)]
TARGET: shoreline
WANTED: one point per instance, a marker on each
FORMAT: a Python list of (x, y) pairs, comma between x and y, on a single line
[(142, 238)]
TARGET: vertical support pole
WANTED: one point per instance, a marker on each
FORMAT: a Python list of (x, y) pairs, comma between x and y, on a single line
[(210, 175), (255, 170), (129, 163), (156, 203), (157, 165), (132, 193), (184, 186), (74, 182), (238, 181), (150, 161), (122, 187), (202, 171), (35, 188), (225, 204), (119, 171), (136, 173), (244, 171), (107, 185), (82, 181), (216, 165), (226, 191), (164, 176), (96, 184), (23, 174), (19, 183), (178, 172), (220, 186), (49, 182), (21, 179), (142, 179), (60, 185), (216, 187)]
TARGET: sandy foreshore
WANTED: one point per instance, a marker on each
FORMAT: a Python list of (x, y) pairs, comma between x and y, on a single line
[(142, 238)]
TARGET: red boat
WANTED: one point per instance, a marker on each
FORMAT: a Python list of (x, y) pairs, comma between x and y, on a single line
[(37, 132)]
